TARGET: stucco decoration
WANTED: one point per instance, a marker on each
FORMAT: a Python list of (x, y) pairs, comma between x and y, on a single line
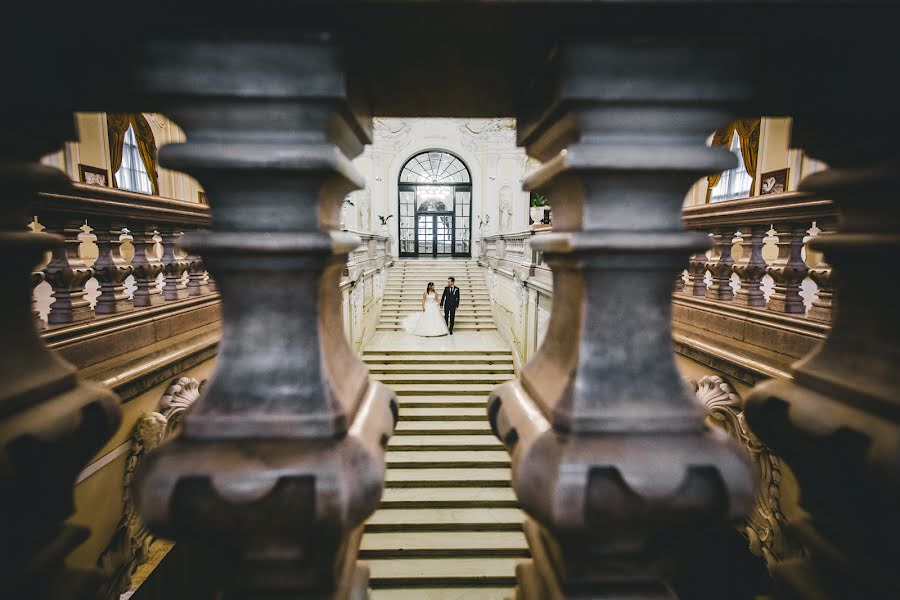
[(765, 526), (504, 210), (130, 544)]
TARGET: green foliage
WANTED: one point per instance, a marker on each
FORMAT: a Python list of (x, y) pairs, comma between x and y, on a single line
[(539, 199)]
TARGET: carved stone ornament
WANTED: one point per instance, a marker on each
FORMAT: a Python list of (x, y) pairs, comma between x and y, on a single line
[(130, 545), (765, 525)]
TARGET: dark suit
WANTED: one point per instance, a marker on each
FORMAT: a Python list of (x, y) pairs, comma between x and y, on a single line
[(450, 301)]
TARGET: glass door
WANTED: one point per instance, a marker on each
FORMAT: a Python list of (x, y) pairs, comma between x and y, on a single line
[(425, 234), (434, 234)]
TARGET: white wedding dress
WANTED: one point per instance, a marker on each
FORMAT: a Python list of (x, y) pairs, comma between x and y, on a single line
[(430, 322)]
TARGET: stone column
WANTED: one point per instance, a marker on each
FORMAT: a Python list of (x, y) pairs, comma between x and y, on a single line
[(51, 423), (788, 269), (146, 267), (837, 421), (751, 268), (611, 459), (721, 265), (111, 269), (67, 273), (173, 266), (281, 459)]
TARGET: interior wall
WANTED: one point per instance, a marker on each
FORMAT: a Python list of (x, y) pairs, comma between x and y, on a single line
[(775, 153), (92, 149), (488, 148)]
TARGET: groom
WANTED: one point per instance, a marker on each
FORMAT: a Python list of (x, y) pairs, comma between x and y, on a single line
[(449, 302)]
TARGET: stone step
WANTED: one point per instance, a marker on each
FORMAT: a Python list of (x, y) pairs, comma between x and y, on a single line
[(442, 573), (421, 389), (441, 412), (438, 369), (500, 357), (447, 458), (459, 497), (442, 402), (454, 593), (438, 441), (442, 379), (443, 427), (496, 351), (445, 519), (450, 477), (443, 544)]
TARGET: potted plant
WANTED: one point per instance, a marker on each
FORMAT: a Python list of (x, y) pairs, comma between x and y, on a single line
[(539, 204), (384, 223)]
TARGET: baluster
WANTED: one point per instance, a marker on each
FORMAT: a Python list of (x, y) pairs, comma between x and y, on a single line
[(679, 283), (836, 422), (751, 268), (51, 422), (823, 306), (195, 285), (211, 283), (611, 460), (111, 269), (67, 273), (173, 266), (146, 267), (697, 273), (281, 459), (721, 265), (788, 269), (37, 278)]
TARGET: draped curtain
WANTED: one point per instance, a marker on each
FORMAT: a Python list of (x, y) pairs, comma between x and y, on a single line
[(117, 126), (748, 136)]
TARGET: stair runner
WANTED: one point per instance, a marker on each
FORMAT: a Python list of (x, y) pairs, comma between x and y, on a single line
[(448, 526)]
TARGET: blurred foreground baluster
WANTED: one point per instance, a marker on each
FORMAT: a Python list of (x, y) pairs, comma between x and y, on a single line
[(51, 423), (281, 459), (610, 455)]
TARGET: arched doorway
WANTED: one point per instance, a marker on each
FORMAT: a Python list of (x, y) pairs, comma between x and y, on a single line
[(435, 206)]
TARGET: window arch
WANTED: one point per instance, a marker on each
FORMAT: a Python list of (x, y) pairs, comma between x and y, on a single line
[(435, 205)]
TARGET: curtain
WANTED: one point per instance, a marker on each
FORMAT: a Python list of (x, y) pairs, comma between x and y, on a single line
[(146, 144), (748, 137), (117, 127), (748, 134)]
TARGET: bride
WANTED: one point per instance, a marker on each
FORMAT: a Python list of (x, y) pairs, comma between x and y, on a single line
[(429, 322)]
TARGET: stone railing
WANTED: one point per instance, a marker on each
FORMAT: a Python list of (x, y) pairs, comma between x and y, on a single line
[(761, 297), (521, 289), (362, 286), (121, 242)]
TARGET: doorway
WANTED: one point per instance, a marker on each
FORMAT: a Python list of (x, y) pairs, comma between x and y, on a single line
[(435, 206)]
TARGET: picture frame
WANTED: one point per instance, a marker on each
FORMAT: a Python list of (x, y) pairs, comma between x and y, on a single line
[(93, 175), (774, 182)]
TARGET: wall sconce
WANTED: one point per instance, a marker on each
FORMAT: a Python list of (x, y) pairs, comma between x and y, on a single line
[(492, 177), (377, 178)]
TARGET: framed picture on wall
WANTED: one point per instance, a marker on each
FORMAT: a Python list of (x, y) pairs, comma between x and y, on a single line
[(201, 198), (774, 182), (93, 175)]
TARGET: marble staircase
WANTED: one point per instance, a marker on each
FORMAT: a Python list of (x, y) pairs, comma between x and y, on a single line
[(448, 526), (408, 279)]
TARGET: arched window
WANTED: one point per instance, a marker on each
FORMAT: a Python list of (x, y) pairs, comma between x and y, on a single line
[(741, 137), (734, 183), (435, 206), (132, 175), (132, 153)]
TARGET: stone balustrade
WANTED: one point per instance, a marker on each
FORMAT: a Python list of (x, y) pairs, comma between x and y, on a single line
[(760, 256), (128, 231)]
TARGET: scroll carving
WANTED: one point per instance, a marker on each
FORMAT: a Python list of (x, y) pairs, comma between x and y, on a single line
[(130, 545), (765, 525)]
